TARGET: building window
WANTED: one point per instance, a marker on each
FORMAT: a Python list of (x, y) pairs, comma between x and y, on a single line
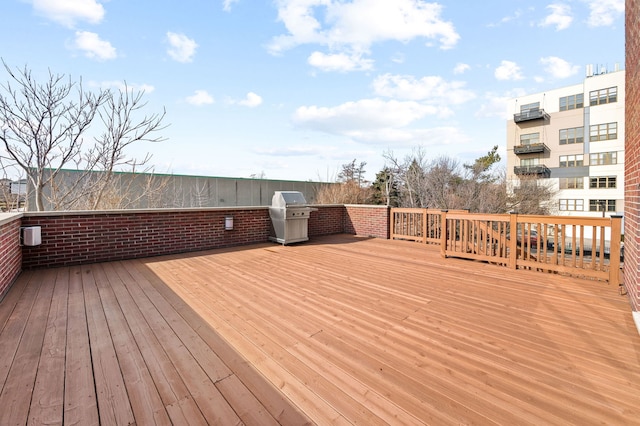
[(572, 102), (601, 182), (603, 132), (602, 205), (574, 135), (572, 160), (571, 205), (603, 96), (572, 183), (603, 158), (529, 107), (529, 162), (530, 139)]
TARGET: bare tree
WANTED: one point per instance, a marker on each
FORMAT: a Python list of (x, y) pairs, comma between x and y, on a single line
[(350, 187), (343, 193), (410, 177), (45, 127), (6, 197), (122, 129), (10, 199), (530, 195), (443, 184), (426, 184), (352, 172)]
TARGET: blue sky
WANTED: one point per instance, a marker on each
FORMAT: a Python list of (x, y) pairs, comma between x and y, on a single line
[(293, 89)]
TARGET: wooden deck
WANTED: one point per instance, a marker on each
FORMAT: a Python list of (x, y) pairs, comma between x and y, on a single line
[(338, 330)]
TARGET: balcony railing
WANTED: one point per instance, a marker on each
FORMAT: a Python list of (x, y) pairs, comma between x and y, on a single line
[(579, 246), (534, 114), (530, 148), (537, 170)]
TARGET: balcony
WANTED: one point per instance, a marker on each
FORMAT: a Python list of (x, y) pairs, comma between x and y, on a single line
[(533, 148), (539, 170), (534, 114)]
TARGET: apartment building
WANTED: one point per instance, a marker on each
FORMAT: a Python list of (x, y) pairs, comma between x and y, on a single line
[(572, 139)]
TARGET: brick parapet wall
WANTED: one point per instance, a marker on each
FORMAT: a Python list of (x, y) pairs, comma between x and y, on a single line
[(74, 238), (632, 154), (366, 220), (327, 220), (77, 238), (10, 252)]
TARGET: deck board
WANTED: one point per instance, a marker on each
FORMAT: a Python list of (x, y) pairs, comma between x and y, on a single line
[(80, 399), (339, 330), (47, 401)]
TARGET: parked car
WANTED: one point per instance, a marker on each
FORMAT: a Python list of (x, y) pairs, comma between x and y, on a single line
[(530, 238)]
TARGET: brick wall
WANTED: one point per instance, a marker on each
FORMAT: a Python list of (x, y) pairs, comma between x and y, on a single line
[(76, 238), (10, 252), (73, 238), (632, 154), (369, 221), (329, 219)]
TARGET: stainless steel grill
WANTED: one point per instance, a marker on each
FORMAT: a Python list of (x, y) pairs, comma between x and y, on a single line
[(290, 217)]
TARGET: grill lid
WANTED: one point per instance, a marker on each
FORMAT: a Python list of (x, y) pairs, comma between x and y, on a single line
[(284, 199)]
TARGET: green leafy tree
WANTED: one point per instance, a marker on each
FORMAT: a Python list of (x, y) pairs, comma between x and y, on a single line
[(385, 188)]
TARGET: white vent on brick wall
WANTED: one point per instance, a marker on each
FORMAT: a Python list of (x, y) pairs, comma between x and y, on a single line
[(31, 235)]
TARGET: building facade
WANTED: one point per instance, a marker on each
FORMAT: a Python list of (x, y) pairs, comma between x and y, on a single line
[(572, 140)]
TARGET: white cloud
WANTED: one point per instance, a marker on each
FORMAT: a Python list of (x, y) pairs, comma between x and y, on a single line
[(495, 105), (366, 113), (559, 68), (370, 120), (430, 89), (252, 100), (355, 26), (517, 14), (461, 68), (521, 16), (200, 97), (68, 12), (508, 70), (226, 4), (560, 17), (93, 47), (339, 62), (296, 151), (398, 58), (182, 48), (410, 138), (604, 12)]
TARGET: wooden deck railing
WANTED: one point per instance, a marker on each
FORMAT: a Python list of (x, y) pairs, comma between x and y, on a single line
[(578, 246), (421, 225)]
